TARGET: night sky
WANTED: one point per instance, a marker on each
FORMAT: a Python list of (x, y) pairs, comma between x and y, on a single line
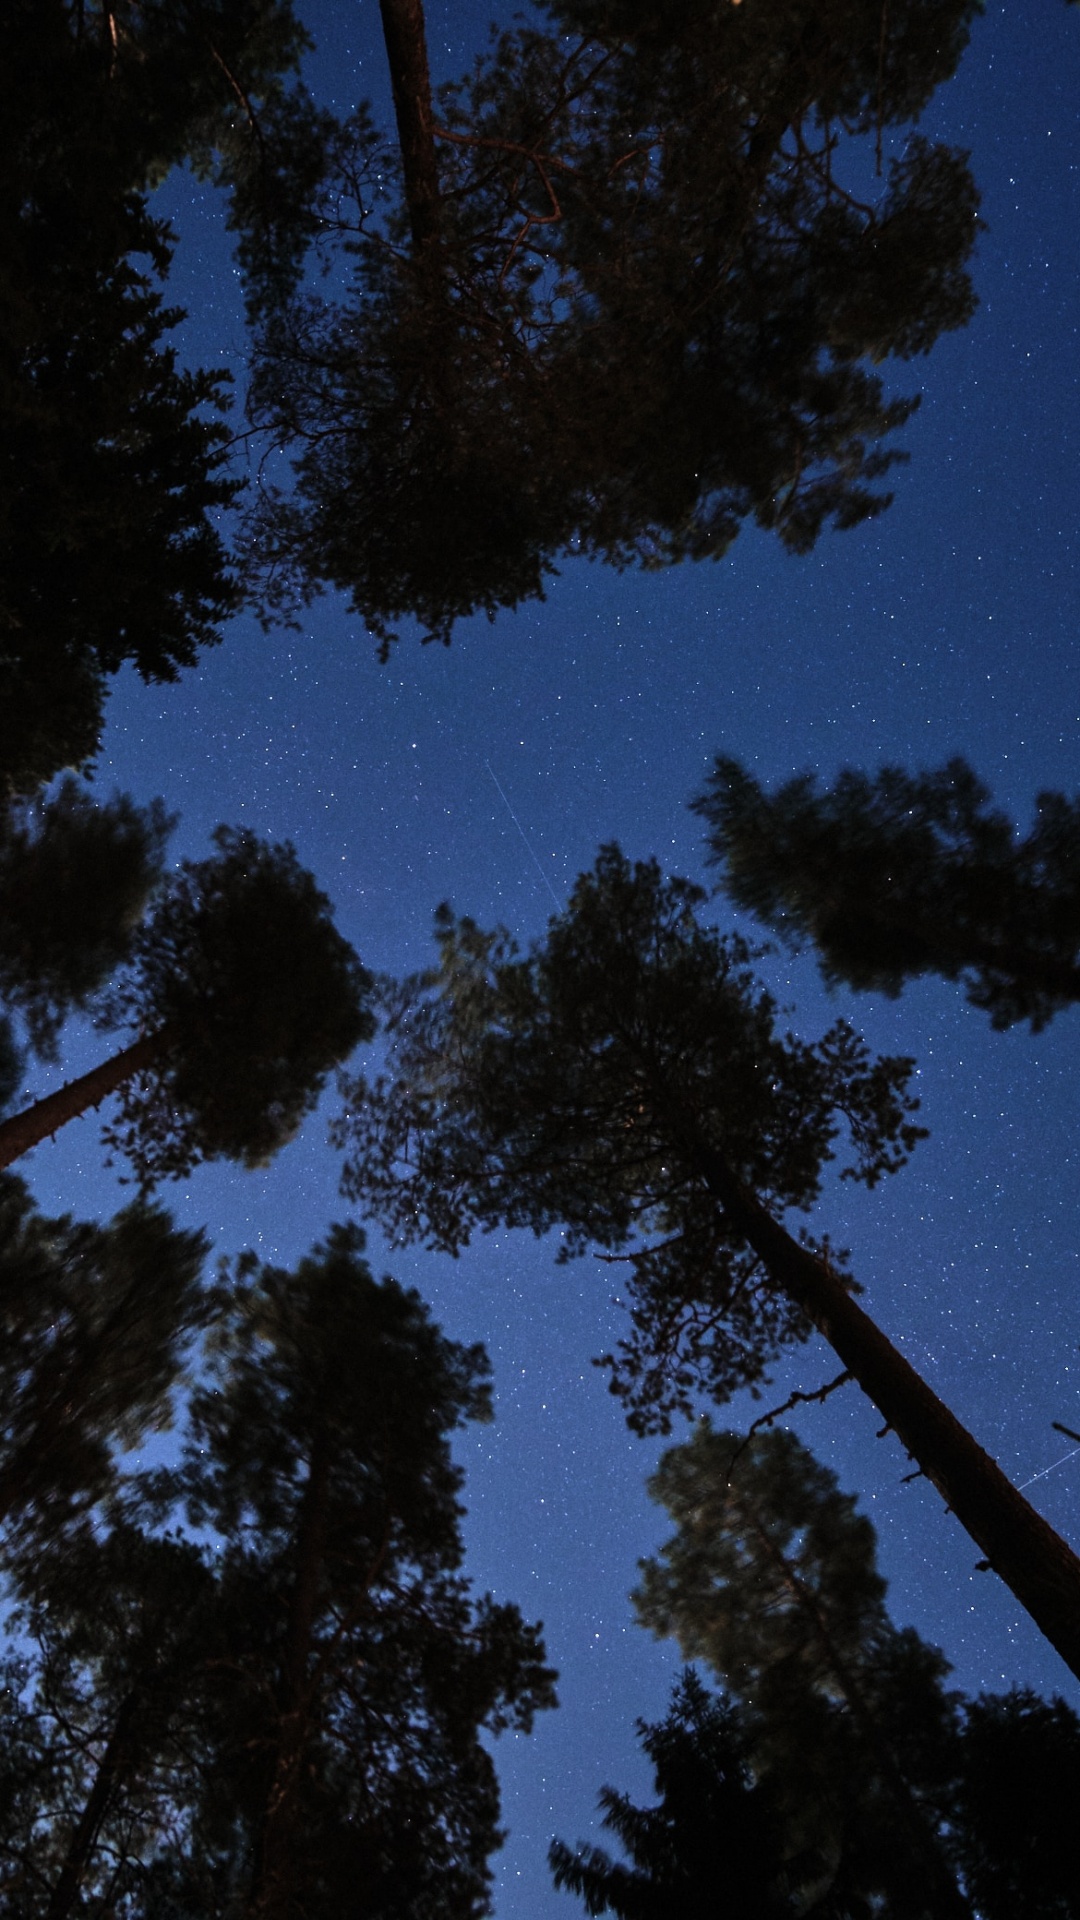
[(488, 775)]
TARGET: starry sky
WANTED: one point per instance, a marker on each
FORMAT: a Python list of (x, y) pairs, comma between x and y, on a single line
[(488, 775)]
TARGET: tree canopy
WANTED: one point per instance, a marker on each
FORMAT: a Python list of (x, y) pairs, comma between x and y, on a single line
[(113, 479), (243, 995), (901, 874), (618, 291), (771, 1578), (96, 1322), (625, 1083), (261, 1685), (76, 878), (712, 1849), (836, 1774)]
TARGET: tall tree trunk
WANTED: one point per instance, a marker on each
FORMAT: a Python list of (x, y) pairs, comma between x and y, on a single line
[(1035, 1563), (406, 50), (27, 1129), (271, 1895), (65, 1893)]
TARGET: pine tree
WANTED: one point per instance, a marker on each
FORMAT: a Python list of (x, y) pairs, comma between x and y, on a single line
[(906, 874), (771, 1578), (712, 1849), (1013, 1819), (615, 293), (113, 479), (626, 1084), (76, 877), (258, 1683), (101, 1719), (95, 1325), (242, 995), (347, 1765), (835, 1775)]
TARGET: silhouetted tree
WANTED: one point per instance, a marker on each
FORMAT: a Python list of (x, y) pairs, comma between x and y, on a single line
[(617, 292), (835, 1776), (359, 1673), (96, 1323), (1014, 1828), (625, 1083), (771, 1577), (112, 479), (258, 1684), (243, 995), (76, 876), (905, 874), (712, 1849)]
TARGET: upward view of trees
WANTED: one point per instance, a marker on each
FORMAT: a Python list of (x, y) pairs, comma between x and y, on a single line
[(625, 1083), (614, 294), (621, 294), (96, 1324), (626, 287)]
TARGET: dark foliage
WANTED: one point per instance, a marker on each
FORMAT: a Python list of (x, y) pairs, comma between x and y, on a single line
[(573, 1089), (771, 1578), (95, 1325), (836, 1774), (661, 270), (257, 1685), (112, 479), (76, 876), (101, 1717), (903, 874), (1016, 1833), (347, 1769), (256, 995), (712, 1849)]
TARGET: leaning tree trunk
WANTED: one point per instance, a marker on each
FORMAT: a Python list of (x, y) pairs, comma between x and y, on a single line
[(406, 50), (27, 1129), (1036, 1564)]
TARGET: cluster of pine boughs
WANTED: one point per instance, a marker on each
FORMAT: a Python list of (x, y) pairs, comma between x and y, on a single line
[(625, 287)]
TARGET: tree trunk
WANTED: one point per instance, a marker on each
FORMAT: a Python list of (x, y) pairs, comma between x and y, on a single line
[(65, 1893), (406, 50), (1036, 1564), (271, 1896), (25, 1130)]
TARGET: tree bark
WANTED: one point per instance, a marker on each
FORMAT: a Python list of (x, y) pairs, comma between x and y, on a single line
[(27, 1129), (272, 1879), (1036, 1564), (406, 50)]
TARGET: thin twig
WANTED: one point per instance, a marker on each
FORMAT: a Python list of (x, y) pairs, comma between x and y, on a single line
[(794, 1400)]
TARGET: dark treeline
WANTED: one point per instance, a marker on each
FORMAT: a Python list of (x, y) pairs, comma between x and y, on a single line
[(612, 294)]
